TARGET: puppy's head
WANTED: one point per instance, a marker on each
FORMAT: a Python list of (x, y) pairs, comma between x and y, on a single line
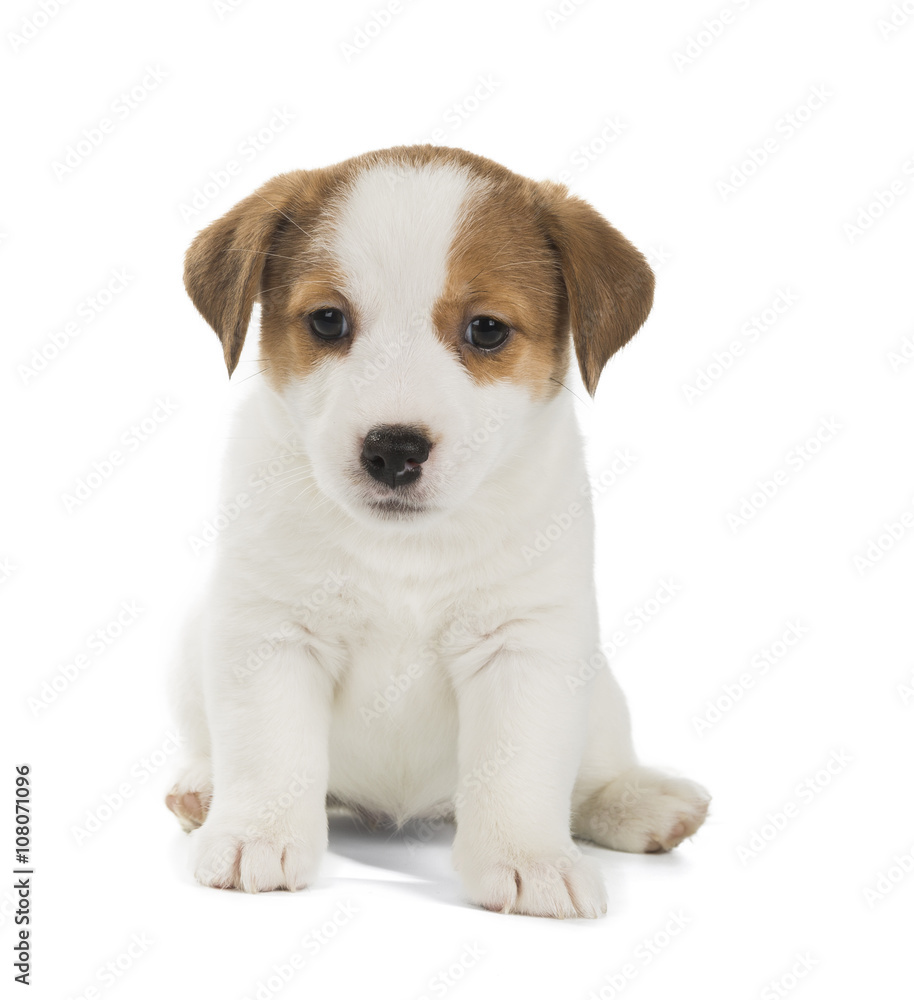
[(418, 306)]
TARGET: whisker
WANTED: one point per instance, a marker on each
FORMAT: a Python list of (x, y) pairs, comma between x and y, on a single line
[(288, 483), (262, 370), (281, 212), (289, 477), (513, 263), (266, 253), (267, 459), (313, 506), (273, 288), (562, 384), (500, 249)]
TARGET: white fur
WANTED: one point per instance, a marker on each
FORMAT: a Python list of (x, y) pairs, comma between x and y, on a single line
[(422, 666)]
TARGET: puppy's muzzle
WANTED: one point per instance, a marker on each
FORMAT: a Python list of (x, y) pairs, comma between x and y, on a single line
[(394, 454)]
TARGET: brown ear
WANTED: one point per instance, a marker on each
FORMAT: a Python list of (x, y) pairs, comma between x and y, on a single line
[(224, 265), (609, 284)]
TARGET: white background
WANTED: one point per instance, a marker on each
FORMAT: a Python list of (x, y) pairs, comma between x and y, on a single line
[(687, 103)]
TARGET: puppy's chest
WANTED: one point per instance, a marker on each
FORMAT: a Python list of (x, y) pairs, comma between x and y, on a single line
[(401, 640), (370, 623), (393, 737)]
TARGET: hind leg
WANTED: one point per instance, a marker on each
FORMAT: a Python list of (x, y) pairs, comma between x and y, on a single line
[(642, 811), (190, 796), (619, 804)]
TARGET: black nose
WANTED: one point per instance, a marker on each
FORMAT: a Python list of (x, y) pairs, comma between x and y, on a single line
[(394, 455)]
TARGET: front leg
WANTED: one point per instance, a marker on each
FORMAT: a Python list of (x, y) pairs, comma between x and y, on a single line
[(520, 743), (269, 717)]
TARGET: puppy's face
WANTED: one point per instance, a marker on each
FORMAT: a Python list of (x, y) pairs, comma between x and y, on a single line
[(418, 307)]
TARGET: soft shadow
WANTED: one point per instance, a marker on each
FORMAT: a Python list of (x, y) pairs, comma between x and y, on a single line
[(415, 851), (417, 856)]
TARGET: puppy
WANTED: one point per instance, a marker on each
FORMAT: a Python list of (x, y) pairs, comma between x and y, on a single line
[(383, 632)]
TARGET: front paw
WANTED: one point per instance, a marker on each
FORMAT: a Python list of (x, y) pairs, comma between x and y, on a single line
[(253, 861), (561, 883)]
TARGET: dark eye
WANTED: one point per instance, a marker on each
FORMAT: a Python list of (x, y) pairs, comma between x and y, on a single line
[(328, 324), (487, 333)]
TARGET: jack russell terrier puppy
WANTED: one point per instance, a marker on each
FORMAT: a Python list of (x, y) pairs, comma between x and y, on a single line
[(376, 635)]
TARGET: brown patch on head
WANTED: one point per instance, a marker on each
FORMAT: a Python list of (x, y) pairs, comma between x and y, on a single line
[(526, 254), (288, 347), (543, 262), (501, 266), (270, 249), (264, 250)]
